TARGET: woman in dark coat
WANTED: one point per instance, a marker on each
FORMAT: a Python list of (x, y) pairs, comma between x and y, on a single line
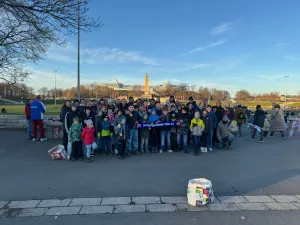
[(258, 120), (64, 110)]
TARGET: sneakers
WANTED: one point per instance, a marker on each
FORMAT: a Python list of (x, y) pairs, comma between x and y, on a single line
[(68, 157), (205, 150), (170, 150), (136, 153), (128, 154), (261, 141), (210, 149), (34, 139), (202, 149), (43, 139), (161, 151), (252, 139), (283, 137), (116, 151), (92, 154)]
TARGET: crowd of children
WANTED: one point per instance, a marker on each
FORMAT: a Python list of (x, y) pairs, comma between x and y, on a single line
[(135, 127)]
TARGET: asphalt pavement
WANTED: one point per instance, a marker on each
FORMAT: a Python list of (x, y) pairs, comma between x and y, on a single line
[(27, 171), (207, 218)]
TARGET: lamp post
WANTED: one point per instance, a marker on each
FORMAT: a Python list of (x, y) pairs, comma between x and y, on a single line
[(78, 54), (286, 77), (55, 71)]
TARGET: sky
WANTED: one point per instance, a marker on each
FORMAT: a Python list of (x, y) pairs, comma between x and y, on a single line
[(230, 45)]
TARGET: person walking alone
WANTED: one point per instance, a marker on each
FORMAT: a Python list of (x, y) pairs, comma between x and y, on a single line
[(37, 110)]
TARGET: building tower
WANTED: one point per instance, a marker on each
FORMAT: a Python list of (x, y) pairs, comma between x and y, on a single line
[(146, 88)]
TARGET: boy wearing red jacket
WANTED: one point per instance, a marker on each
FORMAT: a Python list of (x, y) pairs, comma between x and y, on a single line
[(88, 136)]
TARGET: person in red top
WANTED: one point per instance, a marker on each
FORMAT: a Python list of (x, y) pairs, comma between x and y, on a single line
[(88, 136), (28, 118)]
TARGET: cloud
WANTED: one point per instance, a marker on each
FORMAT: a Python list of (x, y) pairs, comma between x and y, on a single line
[(221, 28), (99, 55), (292, 58), (211, 45), (272, 77)]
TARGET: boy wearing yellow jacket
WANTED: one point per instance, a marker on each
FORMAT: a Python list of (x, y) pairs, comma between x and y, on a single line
[(197, 126)]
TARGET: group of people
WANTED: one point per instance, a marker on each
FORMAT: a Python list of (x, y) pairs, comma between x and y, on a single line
[(124, 127)]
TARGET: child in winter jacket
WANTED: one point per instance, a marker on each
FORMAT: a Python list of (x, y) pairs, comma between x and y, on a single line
[(174, 117), (197, 126), (207, 130), (144, 134), (154, 132), (106, 135), (122, 130), (74, 137), (183, 130), (88, 136)]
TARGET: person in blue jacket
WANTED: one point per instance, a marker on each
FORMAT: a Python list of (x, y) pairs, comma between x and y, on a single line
[(37, 109), (213, 119)]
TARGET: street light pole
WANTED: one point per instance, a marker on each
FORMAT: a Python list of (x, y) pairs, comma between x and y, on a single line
[(78, 56), (285, 77), (55, 87)]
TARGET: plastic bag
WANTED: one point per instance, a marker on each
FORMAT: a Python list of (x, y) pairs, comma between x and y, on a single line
[(58, 152)]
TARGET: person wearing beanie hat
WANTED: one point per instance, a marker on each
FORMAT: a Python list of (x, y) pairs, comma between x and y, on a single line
[(197, 126), (277, 122), (88, 136), (258, 120), (106, 135), (37, 110)]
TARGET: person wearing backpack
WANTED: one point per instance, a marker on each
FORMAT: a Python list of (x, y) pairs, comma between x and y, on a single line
[(240, 118)]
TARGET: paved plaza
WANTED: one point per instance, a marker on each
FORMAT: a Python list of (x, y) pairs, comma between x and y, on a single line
[(250, 178)]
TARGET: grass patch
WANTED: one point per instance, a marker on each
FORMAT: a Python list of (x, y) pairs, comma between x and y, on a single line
[(20, 109)]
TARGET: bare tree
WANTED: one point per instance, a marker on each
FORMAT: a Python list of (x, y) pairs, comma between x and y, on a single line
[(28, 27), (43, 91)]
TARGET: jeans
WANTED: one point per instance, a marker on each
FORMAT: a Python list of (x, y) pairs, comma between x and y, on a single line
[(165, 135), (144, 144), (105, 143), (29, 128), (133, 140), (90, 148), (69, 148), (210, 141), (40, 124), (240, 128), (185, 141), (116, 141), (196, 143), (260, 135), (225, 141)]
